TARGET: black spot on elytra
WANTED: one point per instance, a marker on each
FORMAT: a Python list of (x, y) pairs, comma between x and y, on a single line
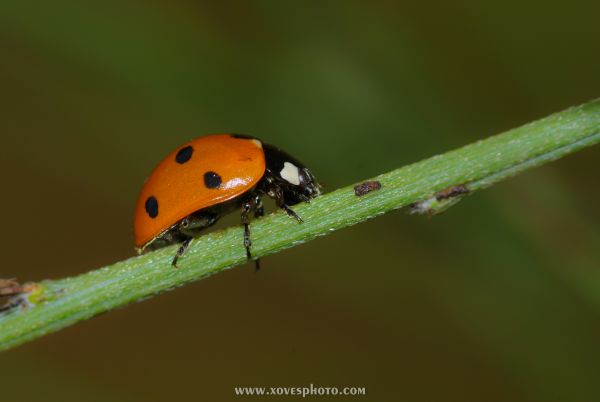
[(212, 180), (152, 206), (243, 136), (184, 154)]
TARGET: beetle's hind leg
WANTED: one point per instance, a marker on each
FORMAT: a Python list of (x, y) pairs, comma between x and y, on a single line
[(181, 250), (190, 227), (251, 205)]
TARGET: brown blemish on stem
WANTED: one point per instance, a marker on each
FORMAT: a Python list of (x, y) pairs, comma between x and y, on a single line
[(451, 192), (10, 287), (366, 187), (13, 294), (441, 201)]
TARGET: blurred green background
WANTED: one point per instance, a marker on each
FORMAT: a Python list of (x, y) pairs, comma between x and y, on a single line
[(496, 300)]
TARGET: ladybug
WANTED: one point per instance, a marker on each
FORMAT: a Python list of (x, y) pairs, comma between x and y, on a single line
[(210, 176)]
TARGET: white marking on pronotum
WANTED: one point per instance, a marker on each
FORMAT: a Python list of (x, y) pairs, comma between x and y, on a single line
[(257, 142), (290, 173)]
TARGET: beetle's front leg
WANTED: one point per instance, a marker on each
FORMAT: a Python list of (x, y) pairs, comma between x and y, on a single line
[(275, 192)]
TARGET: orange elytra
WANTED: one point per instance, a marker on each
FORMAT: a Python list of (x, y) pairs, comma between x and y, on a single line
[(193, 186)]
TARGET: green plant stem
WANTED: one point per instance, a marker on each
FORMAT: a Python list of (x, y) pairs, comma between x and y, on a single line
[(55, 304)]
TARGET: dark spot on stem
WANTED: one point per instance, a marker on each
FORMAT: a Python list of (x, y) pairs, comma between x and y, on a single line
[(366, 187), (451, 192)]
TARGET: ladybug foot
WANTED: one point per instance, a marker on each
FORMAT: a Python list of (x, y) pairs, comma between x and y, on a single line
[(180, 251), (291, 213)]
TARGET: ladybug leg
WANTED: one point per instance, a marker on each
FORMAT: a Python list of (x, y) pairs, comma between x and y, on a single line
[(304, 198), (190, 227), (258, 212), (252, 204), (181, 250), (291, 212), (277, 193)]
